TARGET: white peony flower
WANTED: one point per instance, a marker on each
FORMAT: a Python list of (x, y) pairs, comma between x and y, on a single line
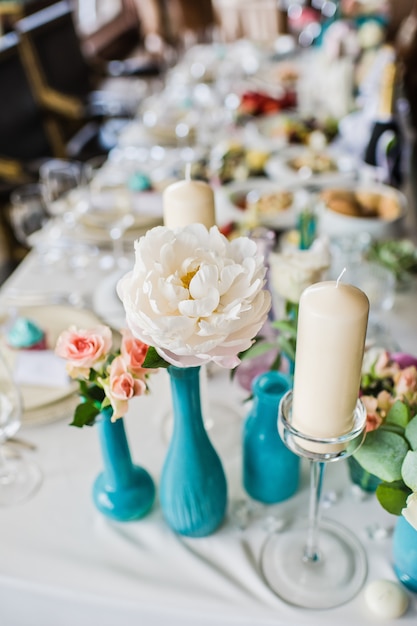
[(292, 272), (195, 296), (410, 512)]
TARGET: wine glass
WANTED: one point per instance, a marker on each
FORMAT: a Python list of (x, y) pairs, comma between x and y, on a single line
[(28, 215), (19, 479), (66, 196), (110, 209), (65, 189)]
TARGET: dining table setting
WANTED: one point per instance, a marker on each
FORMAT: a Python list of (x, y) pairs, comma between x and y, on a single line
[(193, 352)]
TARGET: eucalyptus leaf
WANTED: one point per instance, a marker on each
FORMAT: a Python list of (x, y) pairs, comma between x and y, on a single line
[(382, 454), (409, 469), (411, 433), (393, 496), (398, 414), (393, 428)]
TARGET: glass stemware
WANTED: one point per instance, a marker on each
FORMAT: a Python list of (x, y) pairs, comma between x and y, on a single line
[(66, 197), (28, 215), (110, 209), (64, 188), (19, 478)]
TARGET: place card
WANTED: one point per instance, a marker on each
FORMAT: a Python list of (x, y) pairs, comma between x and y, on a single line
[(41, 368)]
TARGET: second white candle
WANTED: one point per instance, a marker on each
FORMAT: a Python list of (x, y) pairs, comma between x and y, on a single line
[(331, 334)]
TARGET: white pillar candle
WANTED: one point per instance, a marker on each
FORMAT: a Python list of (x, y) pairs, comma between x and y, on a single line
[(332, 322), (188, 202)]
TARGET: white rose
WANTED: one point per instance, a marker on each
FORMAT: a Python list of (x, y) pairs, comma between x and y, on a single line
[(410, 512), (195, 296), (294, 271)]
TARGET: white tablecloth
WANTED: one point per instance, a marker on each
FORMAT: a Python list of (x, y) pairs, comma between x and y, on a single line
[(62, 563)]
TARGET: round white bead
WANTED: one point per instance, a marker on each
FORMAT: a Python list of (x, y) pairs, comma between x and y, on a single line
[(386, 598)]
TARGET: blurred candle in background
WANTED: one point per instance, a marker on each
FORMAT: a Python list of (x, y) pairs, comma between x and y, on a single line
[(188, 202), (332, 323)]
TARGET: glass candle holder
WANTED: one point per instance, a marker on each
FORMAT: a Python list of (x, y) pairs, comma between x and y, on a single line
[(316, 563)]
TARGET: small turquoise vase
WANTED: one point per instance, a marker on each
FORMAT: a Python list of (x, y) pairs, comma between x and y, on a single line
[(404, 549), (271, 472), (365, 480), (122, 491), (193, 488)]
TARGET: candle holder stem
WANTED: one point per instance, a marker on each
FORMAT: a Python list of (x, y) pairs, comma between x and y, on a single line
[(312, 552)]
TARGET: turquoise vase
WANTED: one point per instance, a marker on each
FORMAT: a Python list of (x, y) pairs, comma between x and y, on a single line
[(405, 553), (193, 489), (271, 472), (122, 491), (365, 480)]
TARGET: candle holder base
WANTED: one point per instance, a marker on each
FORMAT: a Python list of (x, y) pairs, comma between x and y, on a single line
[(331, 580)]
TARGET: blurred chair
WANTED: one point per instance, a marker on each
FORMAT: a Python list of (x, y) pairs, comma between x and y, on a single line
[(68, 86), (64, 81), (257, 20), (177, 22), (28, 135)]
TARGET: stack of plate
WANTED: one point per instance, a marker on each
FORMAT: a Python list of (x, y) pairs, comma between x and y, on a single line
[(43, 403)]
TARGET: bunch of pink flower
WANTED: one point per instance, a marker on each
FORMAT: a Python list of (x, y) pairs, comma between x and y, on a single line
[(90, 360), (386, 378)]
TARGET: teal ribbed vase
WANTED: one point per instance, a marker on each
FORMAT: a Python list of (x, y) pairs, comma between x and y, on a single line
[(193, 488)]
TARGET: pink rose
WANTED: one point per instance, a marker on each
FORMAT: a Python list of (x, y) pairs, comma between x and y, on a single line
[(83, 348), (373, 419), (385, 402), (406, 382), (384, 366), (133, 352), (122, 387)]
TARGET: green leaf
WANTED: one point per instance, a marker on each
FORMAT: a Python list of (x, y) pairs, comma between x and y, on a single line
[(154, 360), (382, 454), (258, 349), (409, 469), (393, 496), (285, 326), (398, 414), (85, 414), (411, 433), (287, 347)]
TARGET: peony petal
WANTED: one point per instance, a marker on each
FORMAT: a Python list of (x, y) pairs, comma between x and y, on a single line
[(200, 308)]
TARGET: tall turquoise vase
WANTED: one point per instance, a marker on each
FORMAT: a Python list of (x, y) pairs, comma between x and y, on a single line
[(404, 549), (271, 472), (193, 488), (122, 491)]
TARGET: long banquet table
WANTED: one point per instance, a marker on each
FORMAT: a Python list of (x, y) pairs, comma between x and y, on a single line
[(62, 563)]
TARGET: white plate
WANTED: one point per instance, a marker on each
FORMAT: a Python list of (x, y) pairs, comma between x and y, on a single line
[(272, 131), (227, 210), (53, 320), (146, 213), (106, 302), (278, 167)]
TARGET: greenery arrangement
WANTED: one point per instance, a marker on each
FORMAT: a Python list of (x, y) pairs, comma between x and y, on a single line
[(389, 393)]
